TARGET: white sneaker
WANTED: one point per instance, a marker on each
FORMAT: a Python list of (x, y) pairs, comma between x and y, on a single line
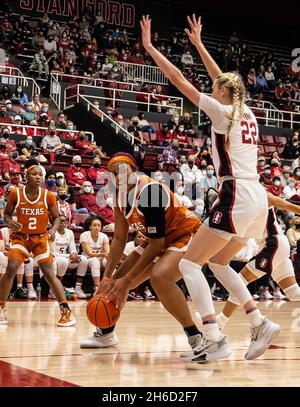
[(267, 295), (261, 337), (80, 294), (208, 350), (32, 294), (194, 341), (255, 296), (3, 317), (148, 295), (277, 295), (100, 341)]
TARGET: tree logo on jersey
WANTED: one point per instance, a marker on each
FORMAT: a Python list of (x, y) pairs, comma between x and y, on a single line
[(217, 218), (263, 263)]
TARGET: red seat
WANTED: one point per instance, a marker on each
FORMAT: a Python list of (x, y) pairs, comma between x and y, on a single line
[(267, 139), (270, 149), (281, 140)]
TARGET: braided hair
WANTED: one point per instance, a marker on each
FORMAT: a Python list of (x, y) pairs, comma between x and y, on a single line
[(234, 82)]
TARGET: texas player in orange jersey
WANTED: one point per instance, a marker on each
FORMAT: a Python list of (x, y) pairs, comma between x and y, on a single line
[(33, 205), (152, 209)]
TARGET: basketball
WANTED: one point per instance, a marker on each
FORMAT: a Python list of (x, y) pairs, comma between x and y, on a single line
[(102, 314)]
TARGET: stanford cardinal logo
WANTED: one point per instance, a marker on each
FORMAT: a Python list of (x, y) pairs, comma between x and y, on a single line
[(263, 263), (217, 218)]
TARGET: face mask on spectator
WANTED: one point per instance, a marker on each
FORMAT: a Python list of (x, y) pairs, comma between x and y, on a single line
[(277, 183), (70, 127), (3, 113), (180, 190), (290, 215), (29, 108), (87, 190), (72, 70), (261, 163), (298, 173), (291, 184), (81, 138), (135, 123), (9, 106), (60, 181), (19, 89), (15, 155), (51, 182), (29, 142), (181, 130), (210, 173), (208, 142), (96, 165), (5, 134), (190, 163), (267, 172), (63, 197), (110, 202), (52, 133), (45, 110), (77, 165)]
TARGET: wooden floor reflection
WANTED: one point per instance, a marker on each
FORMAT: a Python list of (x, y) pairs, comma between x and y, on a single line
[(148, 353)]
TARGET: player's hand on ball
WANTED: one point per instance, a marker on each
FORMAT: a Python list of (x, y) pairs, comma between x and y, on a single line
[(118, 292), (103, 287)]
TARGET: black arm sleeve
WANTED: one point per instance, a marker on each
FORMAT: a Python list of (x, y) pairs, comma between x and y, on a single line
[(152, 203)]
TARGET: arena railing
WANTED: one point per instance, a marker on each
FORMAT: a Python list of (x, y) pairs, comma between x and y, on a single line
[(11, 126), (57, 79), (144, 73), (10, 70), (25, 82), (103, 116), (76, 90)]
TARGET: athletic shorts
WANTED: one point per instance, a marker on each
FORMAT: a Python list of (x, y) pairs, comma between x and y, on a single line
[(21, 247), (271, 256), (241, 210)]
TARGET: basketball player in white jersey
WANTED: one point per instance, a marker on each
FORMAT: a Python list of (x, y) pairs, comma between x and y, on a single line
[(241, 210), (272, 259), (66, 256)]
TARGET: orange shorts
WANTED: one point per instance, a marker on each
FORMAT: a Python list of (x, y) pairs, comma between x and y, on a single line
[(39, 245)]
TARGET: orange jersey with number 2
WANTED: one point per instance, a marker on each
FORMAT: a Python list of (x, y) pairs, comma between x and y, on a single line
[(33, 215)]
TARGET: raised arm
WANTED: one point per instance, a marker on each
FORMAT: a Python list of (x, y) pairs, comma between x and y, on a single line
[(194, 35), (283, 204), (171, 71)]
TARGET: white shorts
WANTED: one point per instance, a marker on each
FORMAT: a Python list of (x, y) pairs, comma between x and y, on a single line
[(272, 256), (241, 210)]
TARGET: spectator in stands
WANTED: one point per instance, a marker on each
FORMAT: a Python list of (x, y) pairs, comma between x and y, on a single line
[(76, 175), (4, 117), (40, 63), (64, 208), (10, 165), (40, 158), (275, 168), (18, 129), (18, 40), (120, 121), (279, 91), (292, 147), (69, 133), (87, 199), (170, 154), (36, 103), (86, 147), (143, 124), (61, 121), (163, 136), (261, 164), (51, 144), (270, 78), (187, 122), (159, 100), (29, 115), (10, 145), (38, 40), (290, 189), (28, 146), (296, 176), (95, 245), (261, 83), (5, 94), (94, 173), (19, 97), (293, 233), (180, 135), (135, 130), (187, 59), (275, 188), (286, 173), (61, 182), (15, 180), (266, 178), (143, 97), (207, 182), (9, 109), (50, 45)]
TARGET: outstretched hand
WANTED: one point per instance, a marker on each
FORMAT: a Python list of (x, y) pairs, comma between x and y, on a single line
[(194, 33), (146, 31)]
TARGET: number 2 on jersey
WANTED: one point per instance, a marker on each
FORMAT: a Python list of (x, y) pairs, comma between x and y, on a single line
[(32, 223), (249, 133)]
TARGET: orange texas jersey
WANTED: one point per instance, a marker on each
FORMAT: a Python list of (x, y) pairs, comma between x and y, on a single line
[(33, 215), (167, 218)]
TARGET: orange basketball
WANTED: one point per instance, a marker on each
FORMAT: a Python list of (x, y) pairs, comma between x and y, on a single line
[(101, 313)]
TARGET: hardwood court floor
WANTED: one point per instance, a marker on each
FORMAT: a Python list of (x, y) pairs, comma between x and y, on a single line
[(34, 352)]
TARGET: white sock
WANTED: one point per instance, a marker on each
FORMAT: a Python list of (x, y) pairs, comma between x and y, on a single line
[(212, 332), (20, 285), (222, 320), (293, 292), (231, 280), (255, 318), (30, 286), (197, 286), (78, 285)]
